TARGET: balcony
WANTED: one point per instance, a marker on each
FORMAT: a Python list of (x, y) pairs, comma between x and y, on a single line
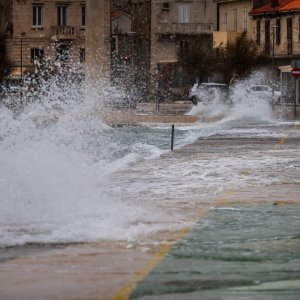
[(63, 33), (184, 28)]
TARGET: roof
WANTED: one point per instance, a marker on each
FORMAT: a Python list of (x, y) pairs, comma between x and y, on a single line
[(115, 14), (283, 6)]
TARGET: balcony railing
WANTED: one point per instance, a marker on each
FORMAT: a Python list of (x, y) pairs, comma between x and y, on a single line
[(184, 28), (64, 32)]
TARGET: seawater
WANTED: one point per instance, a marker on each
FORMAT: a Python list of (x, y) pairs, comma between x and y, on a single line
[(66, 176)]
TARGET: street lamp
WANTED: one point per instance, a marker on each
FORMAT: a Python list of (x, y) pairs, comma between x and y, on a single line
[(21, 56), (274, 27), (132, 34)]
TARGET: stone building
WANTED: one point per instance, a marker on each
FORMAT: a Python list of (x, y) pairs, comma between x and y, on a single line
[(277, 21), (232, 19), (163, 28), (173, 25), (53, 29), (98, 39), (276, 30)]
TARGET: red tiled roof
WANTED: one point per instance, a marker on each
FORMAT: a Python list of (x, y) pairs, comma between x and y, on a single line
[(116, 13), (283, 6)]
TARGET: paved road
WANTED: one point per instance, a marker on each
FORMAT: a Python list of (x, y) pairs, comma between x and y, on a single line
[(229, 256), (244, 244)]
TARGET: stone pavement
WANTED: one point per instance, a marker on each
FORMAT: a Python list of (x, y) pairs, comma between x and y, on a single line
[(235, 251), (244, 245)]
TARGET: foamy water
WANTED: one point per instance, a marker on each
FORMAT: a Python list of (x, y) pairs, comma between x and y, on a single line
[(68, 177)]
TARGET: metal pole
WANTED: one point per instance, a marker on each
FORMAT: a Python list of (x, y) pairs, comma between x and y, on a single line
[(172, 138), (273, 50), (273, 55), (21, 58), (296, 96), (21, 92)]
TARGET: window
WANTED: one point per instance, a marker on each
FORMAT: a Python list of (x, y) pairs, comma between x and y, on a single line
[(184, 11), (245, 18), (225, 20), (267, 37), (166, 6), (258, 32), (234, 20), (183, 48), (278, 31), (37, 16), (289, 23), (83, 15), (37, 55), (114, 43), (62, 52), (61, 15), (82, 55)]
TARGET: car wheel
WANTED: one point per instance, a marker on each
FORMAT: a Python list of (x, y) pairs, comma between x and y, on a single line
[(194, 100)]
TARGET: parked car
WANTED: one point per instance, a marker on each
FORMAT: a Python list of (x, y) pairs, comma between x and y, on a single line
[(115, 98), (2, 89), (13, 86), (264, 92), (207, 92)]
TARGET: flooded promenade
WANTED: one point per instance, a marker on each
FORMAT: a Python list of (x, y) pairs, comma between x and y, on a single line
[(218, 218)]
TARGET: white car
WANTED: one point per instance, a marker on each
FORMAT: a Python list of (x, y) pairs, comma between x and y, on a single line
[(116, 98), (264, 92), (207, 92)]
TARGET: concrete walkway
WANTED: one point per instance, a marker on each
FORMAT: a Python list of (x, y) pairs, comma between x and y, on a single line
[(243, 245)]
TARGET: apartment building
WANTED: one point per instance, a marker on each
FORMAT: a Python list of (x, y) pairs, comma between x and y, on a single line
[(53, 29), (173, 25), (277, 21), (232, 19), (276, 30)]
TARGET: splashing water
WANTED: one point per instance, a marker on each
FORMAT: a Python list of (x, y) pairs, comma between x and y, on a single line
[(244, 106), (57, 156)]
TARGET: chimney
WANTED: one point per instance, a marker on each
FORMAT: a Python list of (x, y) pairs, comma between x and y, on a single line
[(274, 3)]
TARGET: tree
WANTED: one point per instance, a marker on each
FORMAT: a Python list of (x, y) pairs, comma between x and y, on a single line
[(239, 58), (198, 58)]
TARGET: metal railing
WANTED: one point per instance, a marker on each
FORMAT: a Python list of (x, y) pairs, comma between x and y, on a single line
[(184, 28), (65, 31)]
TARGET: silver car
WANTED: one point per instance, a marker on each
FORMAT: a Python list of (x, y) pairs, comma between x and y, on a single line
[(264, 92), (207, 92)]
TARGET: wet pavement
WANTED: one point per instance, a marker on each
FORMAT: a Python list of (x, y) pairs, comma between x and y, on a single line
[(228, 255), (242, 243), (247, 244)]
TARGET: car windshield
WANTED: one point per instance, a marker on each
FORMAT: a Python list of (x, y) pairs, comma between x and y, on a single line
[(259, 88), (209, 87)]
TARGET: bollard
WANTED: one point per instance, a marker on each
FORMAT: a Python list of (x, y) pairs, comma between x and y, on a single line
[(172, 138)]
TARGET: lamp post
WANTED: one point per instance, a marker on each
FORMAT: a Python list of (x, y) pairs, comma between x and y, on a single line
[(21, 64), (274, 27), (21, 56), (131, 34)]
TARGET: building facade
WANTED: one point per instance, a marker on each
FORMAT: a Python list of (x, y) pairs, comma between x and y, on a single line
[(277, 24), (51, 29), (173, 25), (98, 39), (232, 19), (276, 30)]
